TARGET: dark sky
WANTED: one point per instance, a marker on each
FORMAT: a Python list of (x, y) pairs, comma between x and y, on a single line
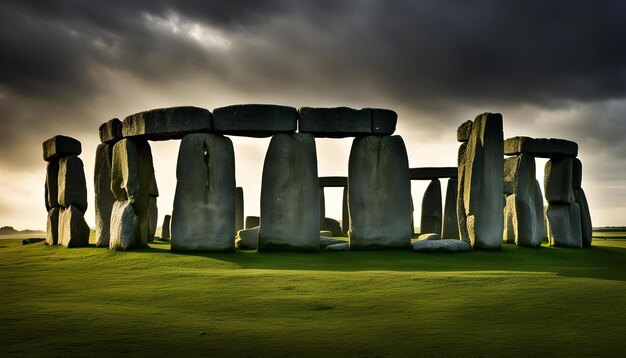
[(552, 68)]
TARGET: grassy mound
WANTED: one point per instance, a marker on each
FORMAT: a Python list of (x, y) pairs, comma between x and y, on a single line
[(517, 302)]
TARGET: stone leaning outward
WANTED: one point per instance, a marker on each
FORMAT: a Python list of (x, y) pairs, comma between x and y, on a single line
[(341, 122), (429, 173), (73, 230), (167, 123), (585, 217), (540, 147), (71, 182), (60, 146), (52, 227), (165, 229), (450, 227), (103, 197), (290, 195), (483, 183), (52, 184), (255, 120), (110, 131), (247, 239), (252, 221), (124, 226), (441, 246), (464, 131), (564, 225), (344, 246), (204, 212), (431, 219), (558, 181), (379, 194)]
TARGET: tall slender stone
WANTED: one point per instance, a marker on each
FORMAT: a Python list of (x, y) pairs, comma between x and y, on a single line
[(345, 213), (290, 211), (379, 193), (153, 216), (204, 212), (450, 228), (431, 209), (322, 209), (239, 209), (103, 197), (165, 229), (52, 227), (585, 217), (483, 184), (52, 184), (460, 201)]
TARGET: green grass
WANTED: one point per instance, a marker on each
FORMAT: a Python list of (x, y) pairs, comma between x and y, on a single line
[(517, 302)]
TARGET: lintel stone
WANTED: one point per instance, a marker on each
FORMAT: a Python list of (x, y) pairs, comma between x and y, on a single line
[(430, 173), (111, 131), (255, 120), (540, 147), (60, 146), (167, 123), (333, 181)]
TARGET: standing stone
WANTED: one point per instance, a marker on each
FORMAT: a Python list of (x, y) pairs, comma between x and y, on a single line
[(564, 225), (345, 213), (483, 184), (73, 230), (460, 206), (239, 208), (464, 131), (252, 221), (204, 212), (103, 197), (450, 228), (52, 230), (52, 184), (510, 223), (585, 216), (558, 181), (290, 209), (431, 209), (153, 216), (124, 226), (71, 181), (577, 173), (540, 211), (322, 209), (379, 195), (165, 229)]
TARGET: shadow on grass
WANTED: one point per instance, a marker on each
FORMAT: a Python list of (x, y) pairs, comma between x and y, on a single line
[(603, 262)]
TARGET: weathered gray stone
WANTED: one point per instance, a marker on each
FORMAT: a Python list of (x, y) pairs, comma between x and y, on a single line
[(204, 212), (132, 178), (124, 226), (238, 208), (431, 236), (450, 229), (327, 241), (73, 230), (464, 131), (338, 247), (558, 181), (52, 229), (255, 120), (564, 225), (585, 217), (153, 216), (252, 221), (111, 131), (167, 123), (483, 184), (326, 233), (60, 146), (510, 220), (345, 213), (429, 173), (540, 147), (540, 211), (431, 209), (333, 226), (460, 205), (339, 122), (441, 246), (290, 208), (52, 184), (247, 239), (383, 121), (165, 229), (577, 173), (333, 182), (510, 170), (103, 197), (322, 209), (379, 194), (71, 181)]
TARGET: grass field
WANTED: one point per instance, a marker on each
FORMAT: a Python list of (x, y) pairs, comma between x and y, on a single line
[(517, 302)]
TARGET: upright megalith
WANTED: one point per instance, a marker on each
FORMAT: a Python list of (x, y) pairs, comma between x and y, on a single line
[(239, 208), (290, 211), (204, 212), (581, 200), (460, 201), (482, 182), (523, 212), (153, 216), (558, 181), (432, 212), (450, 229), (165, 229), (132, 179), (103, 196), (66, 193), (124, 226), (563, 213), (379, 193)]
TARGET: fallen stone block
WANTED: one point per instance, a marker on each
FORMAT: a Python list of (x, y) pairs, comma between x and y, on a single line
[(380, 194), (327, 241), (124, 227), (72, 185), (167, 123), (326, 233), (433, 173), (110, 131), (441, 246), (430, 236), (558, 181), (333, 226), (431, 219), (52, 227), (450, 229), (338, 247), (103, 197), (564, 225), (73, 230), (540, 147), (255, 120), (247, 239), (60, 146), (290, 193), (204, 212)]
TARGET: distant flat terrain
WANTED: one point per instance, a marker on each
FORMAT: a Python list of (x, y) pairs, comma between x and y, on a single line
[(518, 302)]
